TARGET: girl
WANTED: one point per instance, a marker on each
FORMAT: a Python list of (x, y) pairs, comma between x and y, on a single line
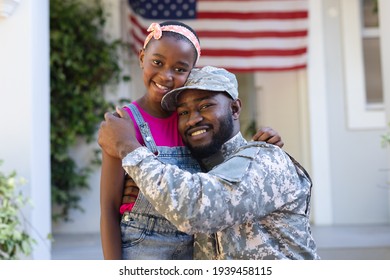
[(137, 231)]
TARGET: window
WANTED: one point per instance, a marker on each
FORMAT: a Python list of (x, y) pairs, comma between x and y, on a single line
[(362, 64), (372, 54)]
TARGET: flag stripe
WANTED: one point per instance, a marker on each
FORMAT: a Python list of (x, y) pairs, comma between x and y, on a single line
[(252, 16), (248, 69), (252, 53), (242, 36), (254, 44), (253, 34), (252, 6), (259, 62)]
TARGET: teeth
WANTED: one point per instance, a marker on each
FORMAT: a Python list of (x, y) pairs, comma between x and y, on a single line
[(161, 87), (198, 132)]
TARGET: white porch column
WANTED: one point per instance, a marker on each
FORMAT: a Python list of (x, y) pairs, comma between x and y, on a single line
[(322, 200), (384, 23), (25, 111)]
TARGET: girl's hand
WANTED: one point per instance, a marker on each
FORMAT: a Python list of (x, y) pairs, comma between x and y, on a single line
[(267, 134)]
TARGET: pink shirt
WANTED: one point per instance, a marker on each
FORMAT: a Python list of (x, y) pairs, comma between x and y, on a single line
[(164, 130), (165, 133)]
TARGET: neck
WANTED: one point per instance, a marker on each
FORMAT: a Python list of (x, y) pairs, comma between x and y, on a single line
[(152, 108), (226, 150), (209, 162)]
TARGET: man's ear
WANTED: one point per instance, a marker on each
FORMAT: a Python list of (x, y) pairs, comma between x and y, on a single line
[(236, 108)]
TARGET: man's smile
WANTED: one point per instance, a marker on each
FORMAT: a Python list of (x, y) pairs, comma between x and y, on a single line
[(198, 132)]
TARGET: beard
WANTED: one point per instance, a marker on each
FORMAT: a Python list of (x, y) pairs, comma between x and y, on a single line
[(220, 137)]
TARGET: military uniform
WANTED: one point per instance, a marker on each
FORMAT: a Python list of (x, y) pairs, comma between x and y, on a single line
[(254, 205)]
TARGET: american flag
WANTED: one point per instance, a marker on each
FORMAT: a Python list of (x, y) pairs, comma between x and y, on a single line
[(241, 36)]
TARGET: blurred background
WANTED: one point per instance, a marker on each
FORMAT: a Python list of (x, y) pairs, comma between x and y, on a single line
[(316, 71)]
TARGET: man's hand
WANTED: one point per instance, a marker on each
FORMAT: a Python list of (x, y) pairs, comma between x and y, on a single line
[(116, 135), (267, 134)]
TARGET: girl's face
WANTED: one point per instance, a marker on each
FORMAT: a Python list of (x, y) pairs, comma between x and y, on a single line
[(166, 64)]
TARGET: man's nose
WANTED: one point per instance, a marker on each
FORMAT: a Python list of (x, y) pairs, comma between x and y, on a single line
[(194, 118)]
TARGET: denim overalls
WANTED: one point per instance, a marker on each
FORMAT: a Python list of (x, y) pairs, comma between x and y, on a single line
[(147, 235)]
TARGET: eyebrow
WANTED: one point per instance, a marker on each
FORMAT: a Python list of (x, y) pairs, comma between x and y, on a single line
[(163, 57), (209, 96)]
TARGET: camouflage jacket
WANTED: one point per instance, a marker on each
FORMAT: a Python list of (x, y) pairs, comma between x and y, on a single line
[(254, 205)]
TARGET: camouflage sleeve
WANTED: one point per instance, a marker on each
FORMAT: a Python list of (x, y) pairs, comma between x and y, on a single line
[(249, 185)]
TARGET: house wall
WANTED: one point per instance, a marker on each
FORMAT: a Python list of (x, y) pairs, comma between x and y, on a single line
[(356, 160), (280, 106)]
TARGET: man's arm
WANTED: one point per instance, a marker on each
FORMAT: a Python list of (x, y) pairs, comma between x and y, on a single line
[(241, 189)]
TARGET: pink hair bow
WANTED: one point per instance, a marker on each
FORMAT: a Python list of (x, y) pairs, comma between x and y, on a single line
[(155, 28), (155, 32)]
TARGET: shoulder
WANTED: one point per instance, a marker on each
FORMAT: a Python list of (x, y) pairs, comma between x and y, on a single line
[(258, 148), (130, 107), (274, 157), (236, 166)]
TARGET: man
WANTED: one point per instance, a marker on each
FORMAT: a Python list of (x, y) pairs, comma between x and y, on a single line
[(254, 202)]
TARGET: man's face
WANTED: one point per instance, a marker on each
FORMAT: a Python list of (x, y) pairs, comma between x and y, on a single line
[(205, 121)]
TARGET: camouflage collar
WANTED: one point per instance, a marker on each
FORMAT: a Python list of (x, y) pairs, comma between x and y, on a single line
[(228, 148), (233, 144)]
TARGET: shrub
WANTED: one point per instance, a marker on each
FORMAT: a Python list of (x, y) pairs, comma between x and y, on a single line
[(82, 62), (14, 239)]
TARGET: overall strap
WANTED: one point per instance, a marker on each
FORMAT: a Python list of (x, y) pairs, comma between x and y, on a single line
[(144, 128)]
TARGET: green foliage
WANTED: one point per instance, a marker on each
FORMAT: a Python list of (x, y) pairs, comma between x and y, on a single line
[(375, 9), (14, 240), (386, 139), (251, 129), (82, 62)]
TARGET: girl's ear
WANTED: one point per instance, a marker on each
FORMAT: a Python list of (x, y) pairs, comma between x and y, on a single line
[(236, 108), (141, 55)]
